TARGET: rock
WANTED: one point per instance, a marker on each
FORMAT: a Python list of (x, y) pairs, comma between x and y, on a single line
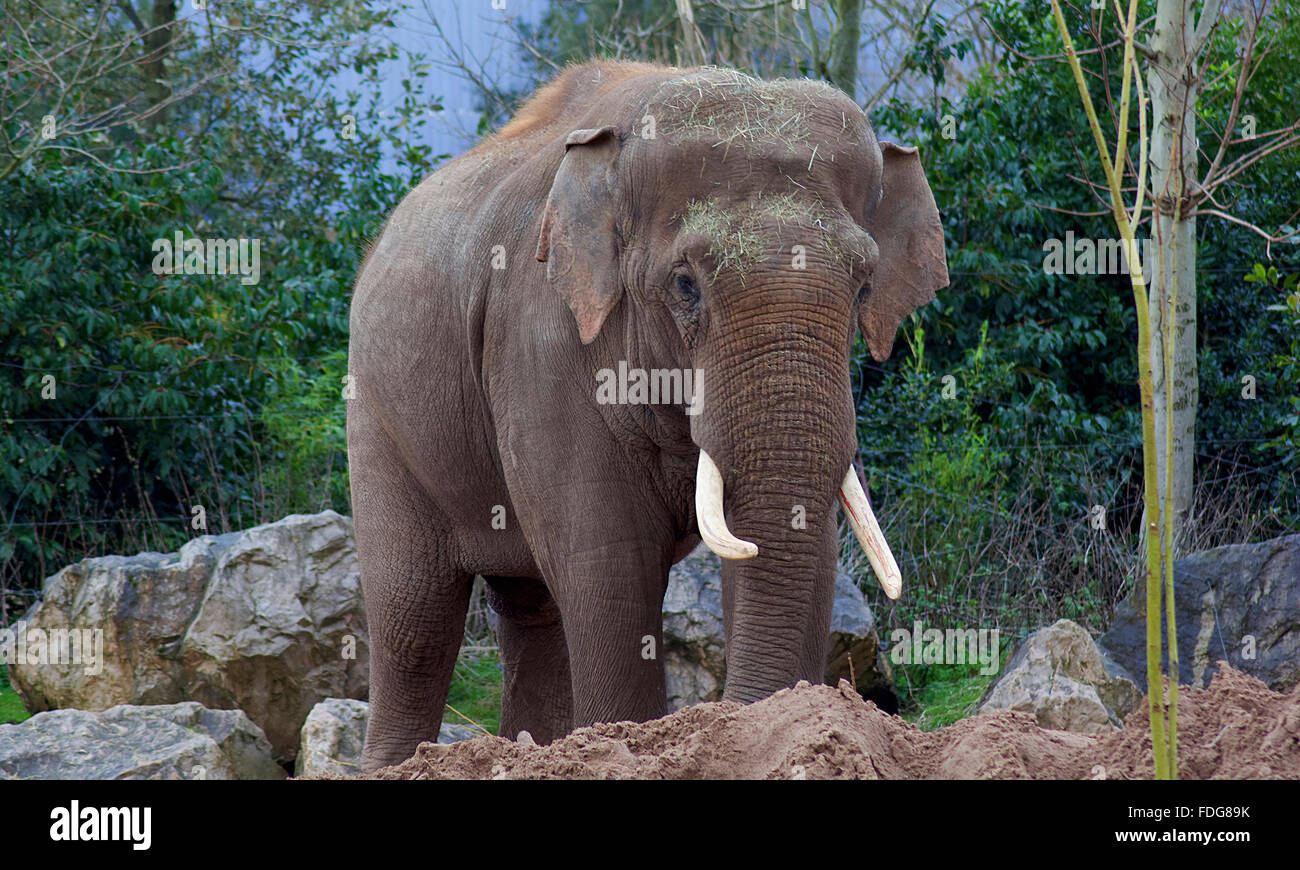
[(456, 733), (1058, 675), (268, 620), (695, 664), (854, 653), (335, 733), (1239, 603), (1115, 669), (175, 741), (332, 738)]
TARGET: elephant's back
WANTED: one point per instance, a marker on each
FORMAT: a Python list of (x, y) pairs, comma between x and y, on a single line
[(455, 266)]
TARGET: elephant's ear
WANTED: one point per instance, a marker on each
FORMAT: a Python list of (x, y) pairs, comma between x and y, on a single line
[(912, 263), (577, 240)]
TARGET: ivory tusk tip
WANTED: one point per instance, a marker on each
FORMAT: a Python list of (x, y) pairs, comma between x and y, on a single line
[(746, 550), (867, 530)]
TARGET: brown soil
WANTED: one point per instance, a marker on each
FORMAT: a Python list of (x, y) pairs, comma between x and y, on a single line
[(1235, 729)]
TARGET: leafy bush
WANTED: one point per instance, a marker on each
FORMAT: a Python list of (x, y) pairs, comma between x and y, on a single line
[(130, 398)]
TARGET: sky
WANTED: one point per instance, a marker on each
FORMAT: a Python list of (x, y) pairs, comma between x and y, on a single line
[(481, 35)]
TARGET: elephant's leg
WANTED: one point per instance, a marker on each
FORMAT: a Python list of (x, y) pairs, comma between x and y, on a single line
[(612, 598), (537, 695), (416, 600), (603, 539), (416, 603)]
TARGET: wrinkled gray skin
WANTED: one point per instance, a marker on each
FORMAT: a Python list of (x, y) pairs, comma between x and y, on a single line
[(476, 386)]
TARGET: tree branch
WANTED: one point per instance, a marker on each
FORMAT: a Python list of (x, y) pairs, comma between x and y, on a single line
[(1205, 25), (1269, 240)]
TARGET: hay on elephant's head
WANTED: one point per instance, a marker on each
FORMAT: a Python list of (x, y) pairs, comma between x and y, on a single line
[(726, 107), (736, 235)]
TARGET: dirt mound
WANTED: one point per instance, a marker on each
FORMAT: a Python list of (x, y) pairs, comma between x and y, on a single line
[(1235, 729)]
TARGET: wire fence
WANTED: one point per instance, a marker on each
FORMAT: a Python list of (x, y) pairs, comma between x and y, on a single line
[(1090, 439), (1037, 447)]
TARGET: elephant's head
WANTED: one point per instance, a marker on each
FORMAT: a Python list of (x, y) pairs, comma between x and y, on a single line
[(743, 229)]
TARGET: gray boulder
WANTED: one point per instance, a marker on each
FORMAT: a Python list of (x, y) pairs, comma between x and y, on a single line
[(335, 733), (1239, 604), (695, 661), (267, 620), (694, 654), (1058, 675), (854, 653), (332, 739), (176, 741)]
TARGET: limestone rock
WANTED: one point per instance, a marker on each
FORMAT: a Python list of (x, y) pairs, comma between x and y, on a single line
[(268, 620), (176, 741), (335, 733), (1058, 675), (332, 738), (695, 662)]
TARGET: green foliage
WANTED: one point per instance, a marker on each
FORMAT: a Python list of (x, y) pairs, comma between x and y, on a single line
[(305, 418), (996, 543), (1070, 338), (476, 686), (11, 706), (955, 459), (961, 436), (259, 85), (1287, 360), (935, 696), (169, 391)]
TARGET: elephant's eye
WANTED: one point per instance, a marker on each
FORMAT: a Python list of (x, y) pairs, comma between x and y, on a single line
[(686, 287)]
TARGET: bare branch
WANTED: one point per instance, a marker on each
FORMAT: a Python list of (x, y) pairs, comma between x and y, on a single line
[(528, 46), (1243, 78), (1293, 237), (1288, 138), (1070, 211)]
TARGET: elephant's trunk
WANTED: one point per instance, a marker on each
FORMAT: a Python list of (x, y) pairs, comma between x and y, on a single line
[(777, 435), (777, 432), (777, 604)]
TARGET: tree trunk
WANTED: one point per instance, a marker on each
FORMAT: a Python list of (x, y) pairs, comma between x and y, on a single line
[(843, 66), (158, 49), (692, 49), (1173, 89)]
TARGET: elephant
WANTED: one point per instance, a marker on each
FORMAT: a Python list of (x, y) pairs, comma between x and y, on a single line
[(696, 229)]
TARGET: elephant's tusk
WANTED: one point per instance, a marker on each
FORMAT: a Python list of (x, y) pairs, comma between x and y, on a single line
[(863, 520), (708, 512)]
